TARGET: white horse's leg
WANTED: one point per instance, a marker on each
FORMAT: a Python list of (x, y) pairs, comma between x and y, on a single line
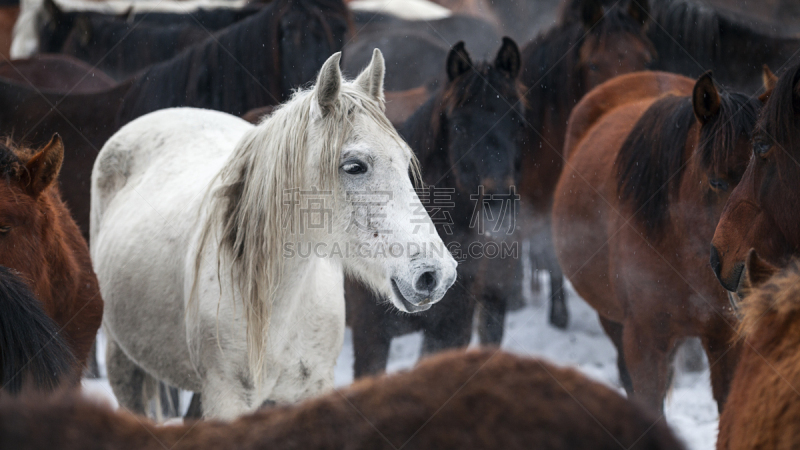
[(127, 379), (224, 396)]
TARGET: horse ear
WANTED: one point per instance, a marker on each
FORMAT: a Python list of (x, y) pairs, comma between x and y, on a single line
[(705, 98), (757, 271), (508, 59), (43, 168), (591, 12), (458, 61), (371, 79), (639, 10), (770, 81), (83, 26), (329, 83)]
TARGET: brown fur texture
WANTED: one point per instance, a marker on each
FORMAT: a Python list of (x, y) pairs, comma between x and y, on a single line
[(763, 408), (475, 400), (40, 240)]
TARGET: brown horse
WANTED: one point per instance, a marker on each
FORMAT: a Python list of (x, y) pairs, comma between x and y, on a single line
[(60, 73), (633, 214), (474, 400), (559, 68), (763, 409), (763, 212), (39, 239)]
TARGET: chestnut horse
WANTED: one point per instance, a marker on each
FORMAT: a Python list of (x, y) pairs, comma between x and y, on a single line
[(763, 408), (31, 349), (633, 214), (559, 68), (40, 240), (474, 400), (763, 212), (465, 136)]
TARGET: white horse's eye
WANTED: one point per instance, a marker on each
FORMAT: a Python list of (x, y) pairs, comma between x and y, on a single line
[(354, 167)]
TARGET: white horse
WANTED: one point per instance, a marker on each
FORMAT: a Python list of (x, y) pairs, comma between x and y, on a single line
[(221, 247)]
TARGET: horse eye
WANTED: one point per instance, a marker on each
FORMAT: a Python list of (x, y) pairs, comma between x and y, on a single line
[(4, 229), (761, 147), (593, 67), (719, 184), (354, 167)]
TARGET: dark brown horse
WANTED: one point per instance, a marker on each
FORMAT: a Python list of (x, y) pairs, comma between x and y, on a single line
[(59, 73), (474, 400), (691, 37), (762, 213), (40, 240), (634, 211), (32, 351), (762, 409), (559, 68), (465, 136), (255, 63)]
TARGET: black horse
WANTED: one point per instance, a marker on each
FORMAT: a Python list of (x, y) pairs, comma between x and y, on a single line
[(466, 137)]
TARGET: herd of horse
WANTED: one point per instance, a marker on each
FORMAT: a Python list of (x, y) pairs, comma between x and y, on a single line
[(163, 172)]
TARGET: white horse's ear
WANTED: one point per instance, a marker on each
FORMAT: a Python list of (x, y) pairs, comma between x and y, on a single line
[(371, 79), (329, 83)]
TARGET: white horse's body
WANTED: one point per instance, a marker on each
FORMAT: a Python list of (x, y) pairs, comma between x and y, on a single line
[(155, 188)]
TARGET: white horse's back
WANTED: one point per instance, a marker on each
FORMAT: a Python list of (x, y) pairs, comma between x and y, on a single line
[(148, 184)]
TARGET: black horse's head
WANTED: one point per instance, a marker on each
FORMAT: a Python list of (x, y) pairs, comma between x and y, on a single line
[(481, 119), (309, 32)]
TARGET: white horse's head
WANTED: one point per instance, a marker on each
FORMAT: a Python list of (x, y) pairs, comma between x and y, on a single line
[(326, 176), (381, 228)]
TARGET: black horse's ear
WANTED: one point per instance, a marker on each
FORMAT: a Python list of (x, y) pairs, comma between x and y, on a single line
[(458, 61), (42, 170), (639, 10), (705, 98), (591, 12), (508, 59), (83, 26), (52, 10)]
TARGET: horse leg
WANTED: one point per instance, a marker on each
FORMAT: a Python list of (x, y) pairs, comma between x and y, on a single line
[(225, 396), (127, 380), (614, 331), (370, 350), (491, 320), (647, 357), (559, 314), (195, 410), (451, 325), (723, 356)]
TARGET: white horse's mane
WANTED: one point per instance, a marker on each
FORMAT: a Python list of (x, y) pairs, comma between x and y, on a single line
[(246, 210)]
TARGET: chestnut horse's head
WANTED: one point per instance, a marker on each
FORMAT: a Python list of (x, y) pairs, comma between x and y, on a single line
[(683, 158), (28, 214), (615, 42), (763, 211)]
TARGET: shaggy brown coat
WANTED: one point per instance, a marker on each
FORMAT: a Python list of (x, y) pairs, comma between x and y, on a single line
[(481, 399)]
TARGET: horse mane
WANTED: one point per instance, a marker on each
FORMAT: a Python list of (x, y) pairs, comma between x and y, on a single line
[(651, 160), (246, 209), (13, 158), (423, 131), (551, 65), (774, 305), (201, 75), (32, 350), (777, 118)]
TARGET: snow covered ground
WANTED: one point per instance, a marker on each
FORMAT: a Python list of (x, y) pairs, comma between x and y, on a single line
[(690, 408)]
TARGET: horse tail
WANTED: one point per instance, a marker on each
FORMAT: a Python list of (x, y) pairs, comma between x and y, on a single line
[(109, 175), (32, 351)]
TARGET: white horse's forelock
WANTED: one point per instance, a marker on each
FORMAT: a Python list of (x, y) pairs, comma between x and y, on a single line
[(246, 209)]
